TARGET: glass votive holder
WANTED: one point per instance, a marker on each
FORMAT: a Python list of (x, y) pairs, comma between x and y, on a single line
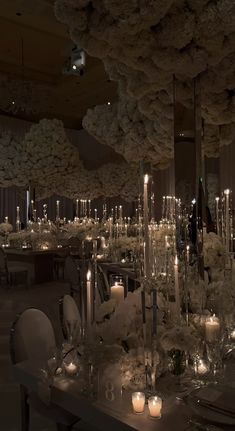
[(201, 367), (138, 402), (71, 369), (70, 361), (155, 407)]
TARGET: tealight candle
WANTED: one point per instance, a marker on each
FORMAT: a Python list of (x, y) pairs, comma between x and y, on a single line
[(232, 335), (155, 406), (71, 369), (212, 326), (201, 367), (138, 402), (117, 292)]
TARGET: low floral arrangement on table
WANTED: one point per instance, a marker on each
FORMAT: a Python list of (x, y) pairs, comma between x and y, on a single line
[(124, 245), (80, 231), (5, 228), (214, 254), (38, 237)]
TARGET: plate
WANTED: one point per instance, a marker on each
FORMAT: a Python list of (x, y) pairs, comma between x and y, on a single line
[(207, 414)]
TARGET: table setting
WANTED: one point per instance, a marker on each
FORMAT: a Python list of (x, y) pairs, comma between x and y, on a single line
[(152, 339)]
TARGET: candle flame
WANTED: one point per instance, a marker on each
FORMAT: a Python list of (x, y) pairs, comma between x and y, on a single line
[(176, 260), (88, 276), (226, 191), (146, 179), (217, 198)]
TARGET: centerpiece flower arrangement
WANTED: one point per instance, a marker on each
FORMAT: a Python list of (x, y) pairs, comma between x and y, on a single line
[(38, 236), (5, 228), (118, 338), (124, 245), (79, 230), (214, 255)]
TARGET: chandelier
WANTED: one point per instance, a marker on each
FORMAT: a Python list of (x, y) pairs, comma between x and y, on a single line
[(22, 95)]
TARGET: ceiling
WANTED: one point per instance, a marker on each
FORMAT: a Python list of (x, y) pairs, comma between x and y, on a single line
[(47, 45)]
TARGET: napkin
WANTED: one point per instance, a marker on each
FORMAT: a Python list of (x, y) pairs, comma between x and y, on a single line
[(218, 398)]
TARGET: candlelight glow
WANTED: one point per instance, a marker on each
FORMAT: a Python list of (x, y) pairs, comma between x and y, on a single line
[(146, 179), (226, 191), (217, 199), (88, 276), (176, 260)]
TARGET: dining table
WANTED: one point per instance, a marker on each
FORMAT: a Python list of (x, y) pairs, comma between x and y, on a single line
[(115, 413), (40, 263)]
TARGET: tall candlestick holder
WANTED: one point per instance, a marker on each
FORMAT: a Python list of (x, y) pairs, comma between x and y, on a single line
[(89, 209), (77, 209), (146, 228), (217, 212), (18, 219), (95, 280), (57, 211), (45, 212)]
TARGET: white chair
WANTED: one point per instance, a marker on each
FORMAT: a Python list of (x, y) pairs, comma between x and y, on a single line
[(32, 338), (70, 318), (8, 270)]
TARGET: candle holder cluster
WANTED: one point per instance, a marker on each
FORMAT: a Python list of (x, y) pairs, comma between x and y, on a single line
[(154, 405), (224, 219)]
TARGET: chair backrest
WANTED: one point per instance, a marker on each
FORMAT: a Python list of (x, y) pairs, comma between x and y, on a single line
[(70, 309), (3, 261), (103, 284), (70, 318), (71, 271), (32, 337)]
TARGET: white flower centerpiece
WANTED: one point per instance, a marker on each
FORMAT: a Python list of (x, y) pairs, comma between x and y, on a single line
[(214, 255), (117, 337)]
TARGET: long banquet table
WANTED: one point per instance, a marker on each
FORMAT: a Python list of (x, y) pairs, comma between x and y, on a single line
[(39, 262), (106, 415)]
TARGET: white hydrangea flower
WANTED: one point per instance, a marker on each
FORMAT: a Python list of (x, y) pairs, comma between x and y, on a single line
[(142, 45)]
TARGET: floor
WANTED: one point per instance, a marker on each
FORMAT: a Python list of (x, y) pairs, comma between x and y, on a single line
[(13, 301)]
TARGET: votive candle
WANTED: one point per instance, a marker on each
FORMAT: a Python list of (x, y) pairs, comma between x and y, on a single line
[(138, 402), (212, 327), (155, 406), (117, 292), (201, 367), (71, 369)]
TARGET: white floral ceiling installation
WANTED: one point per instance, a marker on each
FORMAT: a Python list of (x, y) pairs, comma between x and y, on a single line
[(46, 159), (50, 155), (143, 44)]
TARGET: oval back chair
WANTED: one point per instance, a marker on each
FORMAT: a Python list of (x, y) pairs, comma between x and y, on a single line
[(70, 318), (32, 339)]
